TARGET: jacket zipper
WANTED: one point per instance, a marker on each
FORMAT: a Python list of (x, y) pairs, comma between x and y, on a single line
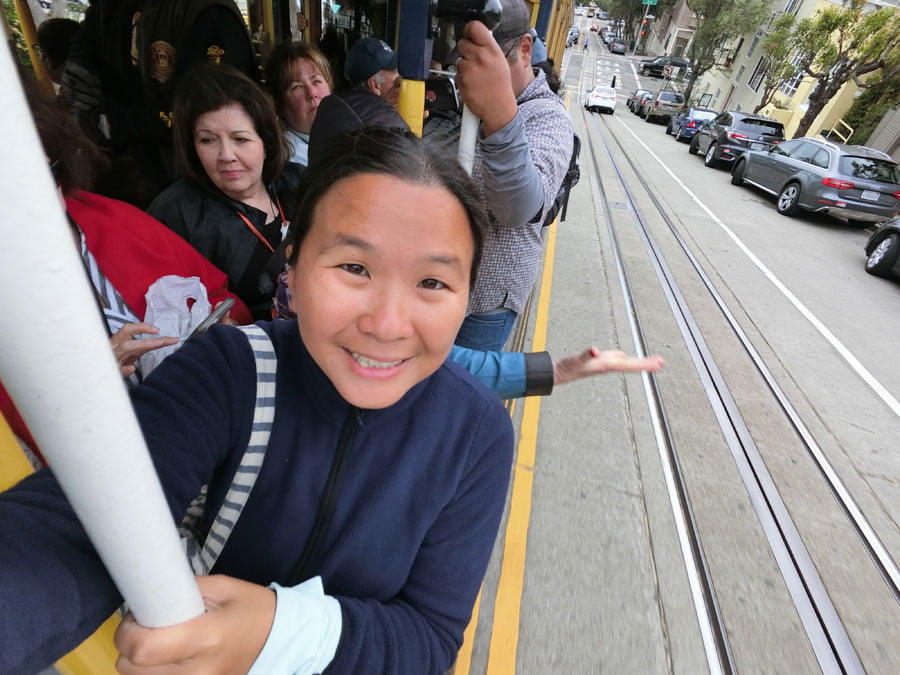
[(328, 502)]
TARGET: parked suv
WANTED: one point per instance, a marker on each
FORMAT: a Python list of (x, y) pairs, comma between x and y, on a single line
[(851, 181), (656, 67), (725, 137), (662, 106)]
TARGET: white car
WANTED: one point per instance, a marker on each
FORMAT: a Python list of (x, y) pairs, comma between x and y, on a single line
[(600, 99)]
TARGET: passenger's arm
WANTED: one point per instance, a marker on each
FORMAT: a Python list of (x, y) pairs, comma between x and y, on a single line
[(509, 374), (54, 590), (524, 163)]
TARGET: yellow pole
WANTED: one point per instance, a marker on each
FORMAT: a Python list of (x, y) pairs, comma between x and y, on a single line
[(29, 30), (412, 104)]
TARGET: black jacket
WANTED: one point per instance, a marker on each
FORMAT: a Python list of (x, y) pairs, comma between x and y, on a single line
[(208, 220)]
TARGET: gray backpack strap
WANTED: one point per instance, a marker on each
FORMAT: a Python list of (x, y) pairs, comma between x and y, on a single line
[(202, 561)]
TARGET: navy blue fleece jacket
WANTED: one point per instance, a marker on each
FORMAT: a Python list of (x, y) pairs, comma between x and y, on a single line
[(416, 515)]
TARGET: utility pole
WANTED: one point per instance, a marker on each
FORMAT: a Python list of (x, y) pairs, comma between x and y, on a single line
[(643, 29)]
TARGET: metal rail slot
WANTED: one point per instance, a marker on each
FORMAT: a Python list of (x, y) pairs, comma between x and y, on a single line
[(712, 629), (883, 561), (823, 626)]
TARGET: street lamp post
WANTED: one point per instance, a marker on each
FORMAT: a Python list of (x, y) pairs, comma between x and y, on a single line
[(642, 30)]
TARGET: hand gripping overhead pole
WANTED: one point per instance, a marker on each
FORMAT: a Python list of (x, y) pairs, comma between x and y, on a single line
[(56, 363), (488, 12)]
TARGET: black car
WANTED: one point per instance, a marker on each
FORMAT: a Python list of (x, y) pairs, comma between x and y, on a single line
[(657, 67), (883, 250), (725, 137)]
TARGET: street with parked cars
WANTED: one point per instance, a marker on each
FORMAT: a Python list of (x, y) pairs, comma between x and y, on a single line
[(857, 185)]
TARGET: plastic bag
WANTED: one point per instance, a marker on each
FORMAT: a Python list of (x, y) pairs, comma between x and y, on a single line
[(168, 309)]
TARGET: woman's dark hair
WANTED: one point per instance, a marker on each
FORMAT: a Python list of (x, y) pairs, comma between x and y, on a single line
[(280, 68), (549, 69), (206, 87), (387, 152), (74, 158)]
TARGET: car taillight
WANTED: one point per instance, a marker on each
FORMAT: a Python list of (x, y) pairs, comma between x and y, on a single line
[(897, 194), (655, 104), (836, 183), (692, 124), (734, 135)]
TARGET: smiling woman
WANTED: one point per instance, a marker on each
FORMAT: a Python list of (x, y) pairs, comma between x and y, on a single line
[(227, 204), (364, 542)]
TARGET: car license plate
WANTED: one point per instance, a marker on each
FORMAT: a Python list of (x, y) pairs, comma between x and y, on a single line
[(870, 195), (757, 146)]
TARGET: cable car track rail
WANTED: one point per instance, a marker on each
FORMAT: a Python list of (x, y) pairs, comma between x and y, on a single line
[(825, 629)]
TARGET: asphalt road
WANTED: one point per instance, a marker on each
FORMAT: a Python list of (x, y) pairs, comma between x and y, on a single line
[(603, 584)]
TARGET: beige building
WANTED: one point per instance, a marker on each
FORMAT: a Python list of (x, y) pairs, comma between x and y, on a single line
[(736, 82)]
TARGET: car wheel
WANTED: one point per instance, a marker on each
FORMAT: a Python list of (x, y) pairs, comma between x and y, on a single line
[(710, 158), (737, 173), (643, 72), (648, 118), (677, 133), (881, 260), (694, 147), (669, 128), (787, 199)]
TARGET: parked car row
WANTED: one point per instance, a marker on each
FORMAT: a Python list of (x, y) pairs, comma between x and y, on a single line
[(853, 182), (659, 105)]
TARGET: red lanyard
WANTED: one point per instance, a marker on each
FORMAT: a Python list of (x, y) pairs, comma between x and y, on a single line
[(257, 232)]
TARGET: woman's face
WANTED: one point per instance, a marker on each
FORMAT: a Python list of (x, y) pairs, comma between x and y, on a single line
[(307, 86), (379, 290), (230, 150)]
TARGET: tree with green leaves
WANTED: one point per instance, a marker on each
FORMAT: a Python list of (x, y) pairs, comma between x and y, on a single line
[(779, 67), (844, 43), (719, 23)]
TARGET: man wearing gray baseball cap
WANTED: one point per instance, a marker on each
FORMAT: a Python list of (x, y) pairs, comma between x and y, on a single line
[(523, 150), (371, 65)]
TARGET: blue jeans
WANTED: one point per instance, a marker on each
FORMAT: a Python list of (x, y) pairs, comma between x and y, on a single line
[(487, 332)]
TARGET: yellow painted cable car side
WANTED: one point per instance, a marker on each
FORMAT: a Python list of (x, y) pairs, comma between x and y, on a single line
[(96, 655)]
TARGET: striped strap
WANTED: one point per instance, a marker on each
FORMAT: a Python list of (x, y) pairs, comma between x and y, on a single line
[(248, 470)]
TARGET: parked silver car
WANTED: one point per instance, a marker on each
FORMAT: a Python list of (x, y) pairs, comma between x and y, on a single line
[(851, 181), (664, 105)]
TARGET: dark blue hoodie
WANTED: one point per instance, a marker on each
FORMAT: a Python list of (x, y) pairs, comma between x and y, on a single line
[(416, 508)]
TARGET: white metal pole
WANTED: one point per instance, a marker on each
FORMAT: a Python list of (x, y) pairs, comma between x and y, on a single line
[(57, 364)]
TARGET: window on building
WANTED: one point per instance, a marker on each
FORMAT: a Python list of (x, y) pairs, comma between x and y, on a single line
[(740, 74), (758, 74), (753, 46), (791, 6), (789, 87)]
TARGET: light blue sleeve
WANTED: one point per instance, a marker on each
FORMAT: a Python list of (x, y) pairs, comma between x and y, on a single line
[(305, 633), (504, 372)]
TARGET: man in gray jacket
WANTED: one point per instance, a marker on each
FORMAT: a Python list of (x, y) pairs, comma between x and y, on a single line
[(523, 151)]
